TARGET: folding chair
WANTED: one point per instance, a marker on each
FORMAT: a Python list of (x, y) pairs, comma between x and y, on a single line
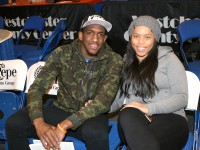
[(34, 55), (12, 96), (193, 100), (189, 30), (33, 23)]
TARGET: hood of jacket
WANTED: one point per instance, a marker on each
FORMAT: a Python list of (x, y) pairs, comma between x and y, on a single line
[(164, 50)]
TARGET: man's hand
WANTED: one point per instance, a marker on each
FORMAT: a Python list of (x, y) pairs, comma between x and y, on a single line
[(48, 134), (62, 128), (88, 102)]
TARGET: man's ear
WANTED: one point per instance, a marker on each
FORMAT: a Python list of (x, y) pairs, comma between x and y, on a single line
[(80, 35), (105, 38)]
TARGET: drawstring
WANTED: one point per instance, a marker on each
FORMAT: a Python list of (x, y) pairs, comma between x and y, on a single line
[(90, 81)]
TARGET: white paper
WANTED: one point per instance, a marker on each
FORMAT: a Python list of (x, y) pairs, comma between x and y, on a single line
[(37, 145)]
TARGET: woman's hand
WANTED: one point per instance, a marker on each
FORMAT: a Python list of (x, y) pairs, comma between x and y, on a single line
[(142, 107)]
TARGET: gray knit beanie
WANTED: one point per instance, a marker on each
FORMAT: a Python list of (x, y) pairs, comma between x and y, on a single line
[(147, 21)]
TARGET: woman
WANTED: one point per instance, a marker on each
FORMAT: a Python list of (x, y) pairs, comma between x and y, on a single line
[(153, 90)]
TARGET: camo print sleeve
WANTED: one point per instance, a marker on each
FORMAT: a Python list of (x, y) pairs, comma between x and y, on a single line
[(42, 82)]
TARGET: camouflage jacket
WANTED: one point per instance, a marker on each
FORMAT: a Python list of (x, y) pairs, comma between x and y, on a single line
[(78, 81)]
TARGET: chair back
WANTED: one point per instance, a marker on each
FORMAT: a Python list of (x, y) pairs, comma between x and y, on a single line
[(53, 40), (33, 23), (2, 23), (62, 25), (193, 100), (12, 77), (193, 91), (32, 73), (187, 30), (12, 82)]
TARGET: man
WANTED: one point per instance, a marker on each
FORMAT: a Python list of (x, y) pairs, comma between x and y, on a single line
[(88, 73)]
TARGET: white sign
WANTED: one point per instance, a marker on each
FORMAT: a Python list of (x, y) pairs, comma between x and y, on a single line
[(13, 74)]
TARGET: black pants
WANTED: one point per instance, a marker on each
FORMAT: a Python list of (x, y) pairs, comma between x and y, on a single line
[(94, 131), (165, 132)]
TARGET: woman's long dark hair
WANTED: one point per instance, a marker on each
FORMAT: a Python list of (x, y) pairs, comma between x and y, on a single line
[(139, 75)]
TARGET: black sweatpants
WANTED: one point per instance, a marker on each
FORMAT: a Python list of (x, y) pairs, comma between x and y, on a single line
[(165, 132), (94, 131)]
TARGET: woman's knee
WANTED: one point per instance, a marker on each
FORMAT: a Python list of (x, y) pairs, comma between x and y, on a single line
[(128, 114)]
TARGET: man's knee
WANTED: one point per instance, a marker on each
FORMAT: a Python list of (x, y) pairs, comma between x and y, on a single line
[(16, 121), (95, 132), (10, 123)]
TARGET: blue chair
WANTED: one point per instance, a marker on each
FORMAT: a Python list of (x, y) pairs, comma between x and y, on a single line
[(189, 30), (33, 55), (2, 23), (11, 102), (12, 95), (193, 142), (32, 24)]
